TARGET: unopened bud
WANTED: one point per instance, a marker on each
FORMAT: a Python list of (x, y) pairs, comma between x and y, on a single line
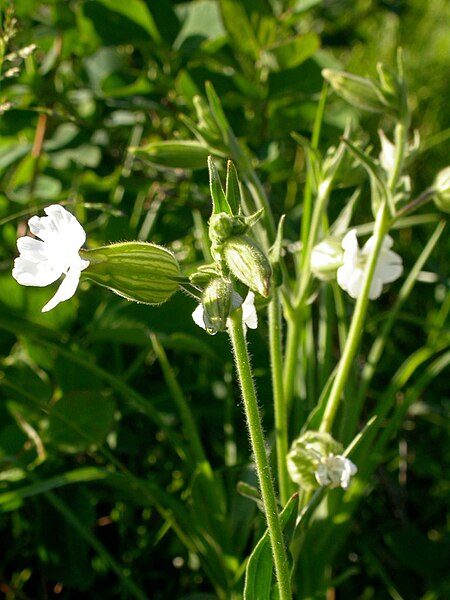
[(174, 154), (326, 258), (248, 263), (138, 271), (217, 301), (442, 189), (358, 91)]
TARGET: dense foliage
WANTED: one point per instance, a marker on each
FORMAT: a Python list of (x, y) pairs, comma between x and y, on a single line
[(101, 495)]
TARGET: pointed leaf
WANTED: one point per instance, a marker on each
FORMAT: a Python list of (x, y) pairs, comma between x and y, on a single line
[(259, 572), (232, 190), (220, 204), (217, 111)]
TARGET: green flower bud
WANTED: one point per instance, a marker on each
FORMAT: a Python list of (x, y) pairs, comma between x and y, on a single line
[(217, 301), (306, 454), (137, 271), (326, 258), (221, 227), (358, 91), (248, 263), (177, 154), (442, 189)]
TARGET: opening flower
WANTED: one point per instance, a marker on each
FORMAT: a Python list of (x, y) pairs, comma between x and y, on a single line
[(43, 261), (350, 275), (249, 316), (335, 471)]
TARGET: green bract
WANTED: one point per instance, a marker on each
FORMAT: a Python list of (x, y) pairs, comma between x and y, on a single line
[(137, 271)]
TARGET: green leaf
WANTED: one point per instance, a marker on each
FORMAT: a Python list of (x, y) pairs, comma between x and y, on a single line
[(179, 154), (259, 572), (288, 54), (136, 11), (201, 21), (81, 420), (217, 112), (220, 203), (232, 190), (240, 31)]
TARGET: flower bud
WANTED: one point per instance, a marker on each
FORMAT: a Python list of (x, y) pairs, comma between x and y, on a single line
[(217, 304), (248, 263), (138, 271), (306, 454), (177, 154), (358, 91), (326, 258), (442, 189)]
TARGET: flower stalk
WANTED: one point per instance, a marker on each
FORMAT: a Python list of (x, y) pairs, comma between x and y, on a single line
[(281, 423), (253, 418), (357, 324)]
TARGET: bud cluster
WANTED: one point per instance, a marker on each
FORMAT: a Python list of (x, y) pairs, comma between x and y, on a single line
[(240, 264)]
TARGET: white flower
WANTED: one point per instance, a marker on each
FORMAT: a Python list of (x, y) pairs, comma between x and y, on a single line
[(42, 262), (249, 316), (326, 258), (350, 275), (335, 471)]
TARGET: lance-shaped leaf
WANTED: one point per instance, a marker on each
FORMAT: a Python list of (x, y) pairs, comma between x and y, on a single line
[(232, 190), (219, 200), (259, 572)]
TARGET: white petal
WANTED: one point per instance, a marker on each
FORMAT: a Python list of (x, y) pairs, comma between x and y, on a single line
[(31, 249), (249, 316), (387, 153), (66, 290), (350, 242), (197, 315), (60, 225), (349, 278), (29, 272), (376, 287), (386, 244), (389, 267)]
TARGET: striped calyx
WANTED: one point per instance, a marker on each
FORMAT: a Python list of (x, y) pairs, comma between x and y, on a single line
[(217, 300), (248, 263), (137, 271)]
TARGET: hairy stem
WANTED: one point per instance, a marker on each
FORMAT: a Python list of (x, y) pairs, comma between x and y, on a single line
[(253, 418)]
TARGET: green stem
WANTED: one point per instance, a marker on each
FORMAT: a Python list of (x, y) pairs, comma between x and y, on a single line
[(379, 344), (382, 224), (357, 324), (291, 358), (295, 323), (248, 391), (276, 359)]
